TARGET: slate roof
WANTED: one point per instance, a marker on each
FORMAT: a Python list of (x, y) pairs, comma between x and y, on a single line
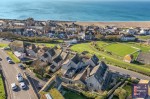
[(76, 59), (57, 59), (45, 55), (95, 59), (99, 71), (103, 68)]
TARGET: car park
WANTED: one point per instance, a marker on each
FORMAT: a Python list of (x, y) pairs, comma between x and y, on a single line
[(22, 85), (19, 77), (13, 86)]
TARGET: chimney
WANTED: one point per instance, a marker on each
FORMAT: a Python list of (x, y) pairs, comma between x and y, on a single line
[(88, 72)]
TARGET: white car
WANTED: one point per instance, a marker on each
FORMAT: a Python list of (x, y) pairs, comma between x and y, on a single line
[(13, 86), (22, 85), (19, 77)]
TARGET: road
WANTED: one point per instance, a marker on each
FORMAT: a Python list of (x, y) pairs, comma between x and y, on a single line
[(128, 72), (10, 71)]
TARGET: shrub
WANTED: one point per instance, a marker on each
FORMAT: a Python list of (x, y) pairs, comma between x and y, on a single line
[(46, 75)]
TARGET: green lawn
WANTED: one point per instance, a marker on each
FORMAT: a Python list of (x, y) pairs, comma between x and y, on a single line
[(120, 49), (13, 57), (123, 49), (103, 44), (110, 59), (142, 47), (46, 44), (73, 95), (56, 94), (128, 88), (3, 45), (2, 90)]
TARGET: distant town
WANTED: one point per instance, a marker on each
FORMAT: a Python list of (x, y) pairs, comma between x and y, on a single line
[(70, 60)]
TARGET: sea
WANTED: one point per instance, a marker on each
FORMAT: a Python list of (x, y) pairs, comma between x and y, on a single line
[(75, 10)]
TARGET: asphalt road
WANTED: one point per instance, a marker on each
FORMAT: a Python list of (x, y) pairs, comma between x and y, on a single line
[(10, 71), (128, 72)]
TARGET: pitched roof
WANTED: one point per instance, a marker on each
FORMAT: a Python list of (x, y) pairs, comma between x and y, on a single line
[(64, 55), (81, 73), (57, 59), (45, 55), (128, 58), (76, 59), (94, 70), (51, 52), (95, 59)]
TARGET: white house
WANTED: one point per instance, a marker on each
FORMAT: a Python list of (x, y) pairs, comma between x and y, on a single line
[(19, 24), (143, 32), (131, 31)]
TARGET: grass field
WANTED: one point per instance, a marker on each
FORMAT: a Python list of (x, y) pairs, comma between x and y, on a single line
[(123, 49), (120, 49), (3, 45), (2, 90), (142, 47), (110, 59), (13, 57)]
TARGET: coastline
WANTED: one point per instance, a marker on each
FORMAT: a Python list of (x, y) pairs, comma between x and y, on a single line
[(125, 24)]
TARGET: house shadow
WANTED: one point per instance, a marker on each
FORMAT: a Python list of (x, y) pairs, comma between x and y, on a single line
[(34, 83)]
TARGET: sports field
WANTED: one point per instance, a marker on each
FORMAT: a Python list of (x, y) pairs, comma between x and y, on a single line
[(120, 49)]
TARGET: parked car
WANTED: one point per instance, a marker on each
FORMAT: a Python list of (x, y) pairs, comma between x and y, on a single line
[(22, 85), (19, 77), (6, 48), (8, 58), (10, 62), (21, 66), (13, 86)]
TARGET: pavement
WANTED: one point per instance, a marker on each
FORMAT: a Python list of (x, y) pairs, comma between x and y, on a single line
[(128, 72), (10, 71)]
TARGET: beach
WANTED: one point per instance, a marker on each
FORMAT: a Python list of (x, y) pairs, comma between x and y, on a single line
[(126, 24)]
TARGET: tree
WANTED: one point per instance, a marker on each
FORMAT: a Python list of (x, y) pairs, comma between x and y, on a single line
[(99, 36), (39, 68), (121, 93)]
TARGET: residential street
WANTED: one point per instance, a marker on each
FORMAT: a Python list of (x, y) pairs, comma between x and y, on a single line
[(128, 72), (10, 72)]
